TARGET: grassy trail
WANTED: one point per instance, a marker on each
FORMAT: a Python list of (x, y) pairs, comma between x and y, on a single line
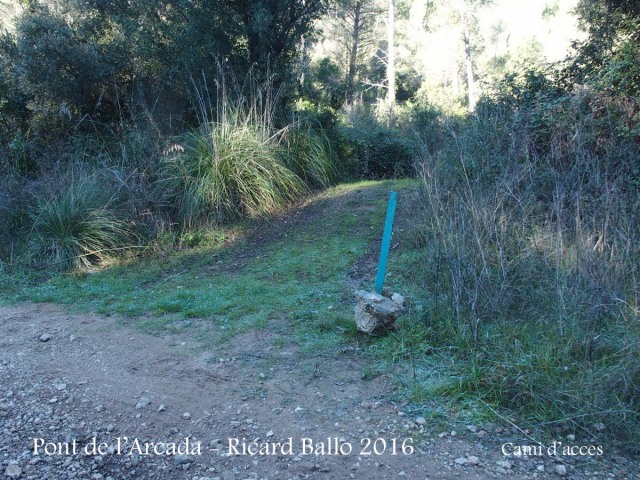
[(291, 272)]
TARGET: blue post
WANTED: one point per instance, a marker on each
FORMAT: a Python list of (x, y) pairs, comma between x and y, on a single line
[(386, 241)]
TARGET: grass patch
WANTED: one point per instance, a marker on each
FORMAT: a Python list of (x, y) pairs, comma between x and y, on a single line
[(290, 273), (78, 227), (308, 152), (224, 171)]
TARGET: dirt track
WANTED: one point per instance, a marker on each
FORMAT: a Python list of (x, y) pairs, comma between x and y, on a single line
[(77, 379)]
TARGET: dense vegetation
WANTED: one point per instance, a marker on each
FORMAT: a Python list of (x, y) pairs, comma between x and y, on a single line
[(136, 126)]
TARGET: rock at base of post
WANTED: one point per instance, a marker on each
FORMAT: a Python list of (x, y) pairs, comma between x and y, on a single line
[(376, 314)]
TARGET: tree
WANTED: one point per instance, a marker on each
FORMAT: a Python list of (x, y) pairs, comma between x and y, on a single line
[(348, 37), (610, 54), (359, 18), (106, 58), (273, 28)]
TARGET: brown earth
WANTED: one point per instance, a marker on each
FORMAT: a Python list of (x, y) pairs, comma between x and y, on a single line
[(84, 378)]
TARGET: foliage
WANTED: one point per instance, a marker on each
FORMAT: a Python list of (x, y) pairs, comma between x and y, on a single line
[(308, 152), (324, 84), (113, 60), (531, 214), (609, 55), (375, 151), (223, 171), (78, 227)]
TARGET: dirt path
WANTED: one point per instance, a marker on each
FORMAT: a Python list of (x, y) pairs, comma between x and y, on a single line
[(80, 379)]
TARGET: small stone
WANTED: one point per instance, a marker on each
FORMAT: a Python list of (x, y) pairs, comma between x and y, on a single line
[(307, 466), (182, 459), (262, 376), (13, 470), (45, 337), (540, 468), (162, 408), (375, 314), (53, 400), (461, 461), (299, 410), (399, 299), (186, 416), (472, 428), (571, 437), (504, 464), (473, 460), (143, 402), (270, 433), (421, 421), (561, 470)]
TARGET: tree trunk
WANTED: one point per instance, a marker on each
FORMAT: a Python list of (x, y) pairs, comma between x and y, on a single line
[(471, 83), (353, 58), (304, 61), (391, 67)]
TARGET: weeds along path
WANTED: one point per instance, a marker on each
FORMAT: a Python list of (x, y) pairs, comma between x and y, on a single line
[(231, 363)]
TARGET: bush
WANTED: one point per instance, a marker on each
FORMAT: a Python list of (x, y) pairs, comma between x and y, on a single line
[(308, 153), (78, 227), (531, 262), (223, 171), (378, 152)]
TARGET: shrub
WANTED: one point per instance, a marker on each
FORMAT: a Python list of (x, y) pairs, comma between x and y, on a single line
[(223, 171), (531, 263), (77, 227), (308, 153), (378, 152)]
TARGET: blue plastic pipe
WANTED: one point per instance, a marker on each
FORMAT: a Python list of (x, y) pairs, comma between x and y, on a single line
[(386, 241)]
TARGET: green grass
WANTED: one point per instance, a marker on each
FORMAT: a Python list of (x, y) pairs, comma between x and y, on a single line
[(224, 171), (308, 152), (78, 227), (287, 276)]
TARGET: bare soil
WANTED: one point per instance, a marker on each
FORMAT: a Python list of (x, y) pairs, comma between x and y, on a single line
[(70, 379)]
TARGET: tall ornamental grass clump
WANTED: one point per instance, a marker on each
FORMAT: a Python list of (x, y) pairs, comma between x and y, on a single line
[(78, 227), (238, 162), (226, 170), (307, 151), (532, 262)]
